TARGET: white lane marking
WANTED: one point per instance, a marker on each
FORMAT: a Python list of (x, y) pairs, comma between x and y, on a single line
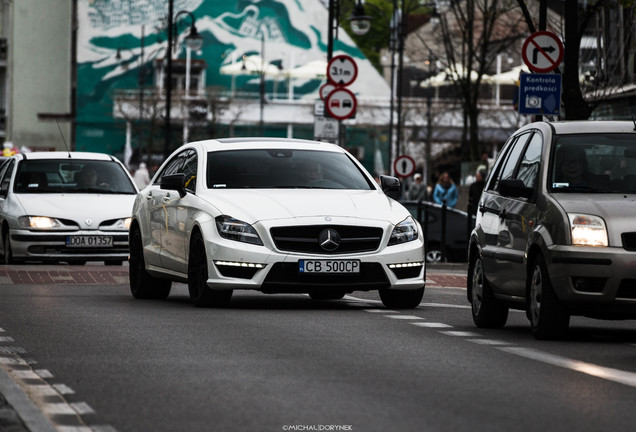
[(460, 333), (82, 408), (43, 373), (431, 325), (6, 339), (611, 374), (403, 317), (63, 389), (380, 311), (444, 305), (488, 342)]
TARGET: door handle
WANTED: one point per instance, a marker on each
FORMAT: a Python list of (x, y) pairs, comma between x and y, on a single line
[(149, 196)]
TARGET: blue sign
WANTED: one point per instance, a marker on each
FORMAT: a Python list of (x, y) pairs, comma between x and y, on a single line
[(539, 94)]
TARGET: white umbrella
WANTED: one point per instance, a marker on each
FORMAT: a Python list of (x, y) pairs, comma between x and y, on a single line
[(315, 69), (250, 65), (510, 77), (447, 76)]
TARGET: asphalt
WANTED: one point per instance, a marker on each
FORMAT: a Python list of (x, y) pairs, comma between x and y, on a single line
[(19, 414)]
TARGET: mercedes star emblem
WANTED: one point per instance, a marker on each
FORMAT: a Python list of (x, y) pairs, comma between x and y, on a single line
[(329, 240)]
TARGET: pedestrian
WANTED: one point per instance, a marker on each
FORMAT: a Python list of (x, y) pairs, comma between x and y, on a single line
[(474, 191), (445, 190), (417, 191), (141, 176)]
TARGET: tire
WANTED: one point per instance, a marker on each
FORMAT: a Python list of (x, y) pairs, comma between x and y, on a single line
[(487, 311), (7, 255), (433, 253), (200, 293), (548, 317), (326, 295), (401, 299), (142, 284)]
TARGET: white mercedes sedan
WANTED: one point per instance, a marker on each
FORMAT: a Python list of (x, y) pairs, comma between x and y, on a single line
[(276, 216), (65, 206)]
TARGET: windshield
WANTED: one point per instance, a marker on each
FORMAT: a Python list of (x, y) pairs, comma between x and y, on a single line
[(594, 163), (284, 168), (72, 176)]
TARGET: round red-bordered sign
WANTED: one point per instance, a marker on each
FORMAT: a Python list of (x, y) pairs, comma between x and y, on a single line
[(404, 166), (342, 70), (341, 103), (325, 89), (542, 51)]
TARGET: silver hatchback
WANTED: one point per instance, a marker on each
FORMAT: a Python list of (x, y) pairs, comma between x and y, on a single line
[(555, 233)]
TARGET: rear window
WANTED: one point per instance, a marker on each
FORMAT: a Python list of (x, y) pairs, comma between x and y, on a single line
[(72, 176)]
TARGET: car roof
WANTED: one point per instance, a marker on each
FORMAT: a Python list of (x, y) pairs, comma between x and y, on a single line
[(64, 155), (585, 126), (265, 143)]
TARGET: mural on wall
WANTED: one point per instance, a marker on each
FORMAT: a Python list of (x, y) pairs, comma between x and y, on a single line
[(120, 42)]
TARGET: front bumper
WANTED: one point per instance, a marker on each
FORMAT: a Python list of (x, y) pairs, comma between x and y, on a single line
[(52, 246), (280, 271), (594, 279)]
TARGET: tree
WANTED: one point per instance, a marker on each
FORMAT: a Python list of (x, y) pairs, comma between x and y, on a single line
[(473, 33)]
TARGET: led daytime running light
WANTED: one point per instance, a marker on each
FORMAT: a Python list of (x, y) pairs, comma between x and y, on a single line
[(239, 264), (406, 265)]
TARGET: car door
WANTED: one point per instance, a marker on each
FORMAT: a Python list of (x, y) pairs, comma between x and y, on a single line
[(516, 220), (492, 211), (180, 210), (158, 213)]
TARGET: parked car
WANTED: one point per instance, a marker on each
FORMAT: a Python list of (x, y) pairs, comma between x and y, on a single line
[(276, 216), (430, 215), (555, 233), (65, 207)]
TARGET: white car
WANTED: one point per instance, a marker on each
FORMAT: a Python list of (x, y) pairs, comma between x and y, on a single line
[(65, 206), (276, 216)]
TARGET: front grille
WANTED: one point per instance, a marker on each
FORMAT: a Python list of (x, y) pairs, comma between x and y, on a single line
[(304, 239), (627, 289), (284, 277), (629, 241)]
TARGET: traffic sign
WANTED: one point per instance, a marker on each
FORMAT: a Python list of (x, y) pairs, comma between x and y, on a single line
[(540, 94), (326, 128), (542, 51), (342, 70), (404, 166), (341, 103), (325, 89)]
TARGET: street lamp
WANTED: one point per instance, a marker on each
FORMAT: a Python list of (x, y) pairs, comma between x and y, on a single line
[(193, 41)]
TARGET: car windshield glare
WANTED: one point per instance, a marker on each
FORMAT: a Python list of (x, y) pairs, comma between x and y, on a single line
[(283, 168), (72, 176), (593, 163)]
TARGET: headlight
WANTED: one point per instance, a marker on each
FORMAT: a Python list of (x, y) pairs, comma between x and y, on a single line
[(38, 222), (233, 229), (403, 232), (124, 223), (587, 230)]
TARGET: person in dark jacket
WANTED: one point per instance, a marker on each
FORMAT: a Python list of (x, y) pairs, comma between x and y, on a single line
[(474, 192)]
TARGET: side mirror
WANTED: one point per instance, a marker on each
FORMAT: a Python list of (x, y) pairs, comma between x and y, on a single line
[(174, 182), (515, 188), (390, 186)]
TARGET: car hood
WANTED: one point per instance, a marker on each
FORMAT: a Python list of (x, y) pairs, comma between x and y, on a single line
[(77, 207), (254, 205)]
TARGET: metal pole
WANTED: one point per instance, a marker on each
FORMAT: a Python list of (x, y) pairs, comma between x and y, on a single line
[(186, 126), (392, 48), (330, 30), (166, 147), (262, 85), (141, 92), (401, 35)]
